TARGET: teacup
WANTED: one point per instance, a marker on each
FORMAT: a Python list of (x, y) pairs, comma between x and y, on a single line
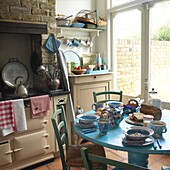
[(68, 42), (95, 106), (158, 127), (75, 42), (103, 126)]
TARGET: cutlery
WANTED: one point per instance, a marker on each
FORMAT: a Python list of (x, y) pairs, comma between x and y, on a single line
[(154, 145), (85, 131), (158, 141), (159, 144)]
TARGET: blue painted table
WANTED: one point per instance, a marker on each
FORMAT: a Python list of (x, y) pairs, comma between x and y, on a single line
[(136, 154)]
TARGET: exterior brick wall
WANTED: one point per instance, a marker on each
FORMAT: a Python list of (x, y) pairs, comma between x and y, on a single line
[(35, 11), (129, 67)]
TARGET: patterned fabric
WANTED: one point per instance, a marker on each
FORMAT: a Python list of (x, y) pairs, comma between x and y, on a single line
[(6, 115), (74, 158), (40, 106)]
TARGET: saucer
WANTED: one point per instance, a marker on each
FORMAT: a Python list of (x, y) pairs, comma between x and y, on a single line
[(84, 125), (146, 142)]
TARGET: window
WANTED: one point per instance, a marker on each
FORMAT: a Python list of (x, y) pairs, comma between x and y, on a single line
[(132, 49)]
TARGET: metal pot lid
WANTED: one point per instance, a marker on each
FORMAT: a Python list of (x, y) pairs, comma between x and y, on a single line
[(15, 73)]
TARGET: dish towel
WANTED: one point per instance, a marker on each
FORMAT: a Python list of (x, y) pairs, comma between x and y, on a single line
[(6, 115), (40, 106), (19, 114), (7, 121)]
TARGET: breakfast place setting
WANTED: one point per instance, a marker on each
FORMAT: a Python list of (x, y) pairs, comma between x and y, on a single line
[(137, 127)]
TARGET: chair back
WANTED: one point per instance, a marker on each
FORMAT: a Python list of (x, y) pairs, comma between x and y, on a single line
[(106, 96), (60, 128), (89, 157)]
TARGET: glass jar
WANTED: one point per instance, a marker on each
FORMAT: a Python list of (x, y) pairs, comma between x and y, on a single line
[(147, 119)]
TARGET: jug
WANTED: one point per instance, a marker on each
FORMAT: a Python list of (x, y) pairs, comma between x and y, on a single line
[(154, 101)]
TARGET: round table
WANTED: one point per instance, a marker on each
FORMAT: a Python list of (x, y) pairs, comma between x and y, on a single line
[(136, 154)]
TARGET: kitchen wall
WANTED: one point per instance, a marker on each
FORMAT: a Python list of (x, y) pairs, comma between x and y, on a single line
[(43, 11), (19, 46), (72, 7)]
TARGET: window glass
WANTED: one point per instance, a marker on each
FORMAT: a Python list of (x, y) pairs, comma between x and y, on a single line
[(128, 42), (160, 50)]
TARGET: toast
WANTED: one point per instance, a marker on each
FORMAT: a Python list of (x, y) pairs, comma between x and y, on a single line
[(138, 117)]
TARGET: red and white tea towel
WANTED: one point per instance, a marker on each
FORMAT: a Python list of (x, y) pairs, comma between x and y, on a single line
[(19, 114), (40, 106), (6, 115)]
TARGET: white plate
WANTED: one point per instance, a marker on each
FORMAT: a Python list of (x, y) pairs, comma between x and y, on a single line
[(72, 56)]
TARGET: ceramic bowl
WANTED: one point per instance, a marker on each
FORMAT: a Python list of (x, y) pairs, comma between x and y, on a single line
[(138, 133), (78, 72), (88, 119), (113, 104), (77, 25)]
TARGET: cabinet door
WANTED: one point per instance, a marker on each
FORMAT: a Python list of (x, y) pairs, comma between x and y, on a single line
[(33, 124), (30, 145), (84, 97), (5, 153)]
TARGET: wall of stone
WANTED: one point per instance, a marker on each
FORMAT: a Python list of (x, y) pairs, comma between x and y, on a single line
[(129, 67), (34, 11)]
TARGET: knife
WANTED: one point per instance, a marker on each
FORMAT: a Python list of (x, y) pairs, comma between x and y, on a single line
[(85, 131), (159, 144)]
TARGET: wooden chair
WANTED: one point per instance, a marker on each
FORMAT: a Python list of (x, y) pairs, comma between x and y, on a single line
[(107, 96), (89, 158), (71, 155)]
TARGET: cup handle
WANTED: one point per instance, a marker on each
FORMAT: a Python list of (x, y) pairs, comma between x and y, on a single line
[(93, 106), (165, 130)]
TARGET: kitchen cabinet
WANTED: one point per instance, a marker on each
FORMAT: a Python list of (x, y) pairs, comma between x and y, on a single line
[(26, 148), (82, 87)]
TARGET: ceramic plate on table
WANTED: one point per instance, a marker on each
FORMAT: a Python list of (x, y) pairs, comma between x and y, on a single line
[(91, 125), (133, 122), (72, 56), (147, 141)]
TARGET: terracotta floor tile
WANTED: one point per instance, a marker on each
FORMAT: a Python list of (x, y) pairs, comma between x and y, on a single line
[(154, 158), (166, 159), (155, 161)]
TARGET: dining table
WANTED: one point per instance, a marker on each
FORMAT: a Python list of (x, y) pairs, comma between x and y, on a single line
[(137, 155)]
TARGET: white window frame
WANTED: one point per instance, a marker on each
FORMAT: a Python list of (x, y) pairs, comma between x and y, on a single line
[(144, 6)]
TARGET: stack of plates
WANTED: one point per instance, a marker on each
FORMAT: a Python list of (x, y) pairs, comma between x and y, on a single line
[(87, 121)]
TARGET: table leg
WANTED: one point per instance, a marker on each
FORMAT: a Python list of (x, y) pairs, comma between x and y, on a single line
[(138, 159)]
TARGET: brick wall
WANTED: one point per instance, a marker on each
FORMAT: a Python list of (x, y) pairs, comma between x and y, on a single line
[(34, 11), (129, 67)]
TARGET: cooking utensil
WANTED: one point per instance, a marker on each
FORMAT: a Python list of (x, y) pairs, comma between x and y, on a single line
[(14, 73), (35, 59), (21, 91)]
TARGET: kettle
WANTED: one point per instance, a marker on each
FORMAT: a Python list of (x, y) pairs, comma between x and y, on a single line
[(21, 90)]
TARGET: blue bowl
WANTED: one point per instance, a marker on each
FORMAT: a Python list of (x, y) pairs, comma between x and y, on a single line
[(77, 25), (114, 104)]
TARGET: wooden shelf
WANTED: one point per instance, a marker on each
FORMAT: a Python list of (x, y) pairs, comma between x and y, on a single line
[(61, 30)]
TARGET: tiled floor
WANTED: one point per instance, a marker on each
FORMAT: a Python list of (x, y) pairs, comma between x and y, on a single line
[(155, 161)]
